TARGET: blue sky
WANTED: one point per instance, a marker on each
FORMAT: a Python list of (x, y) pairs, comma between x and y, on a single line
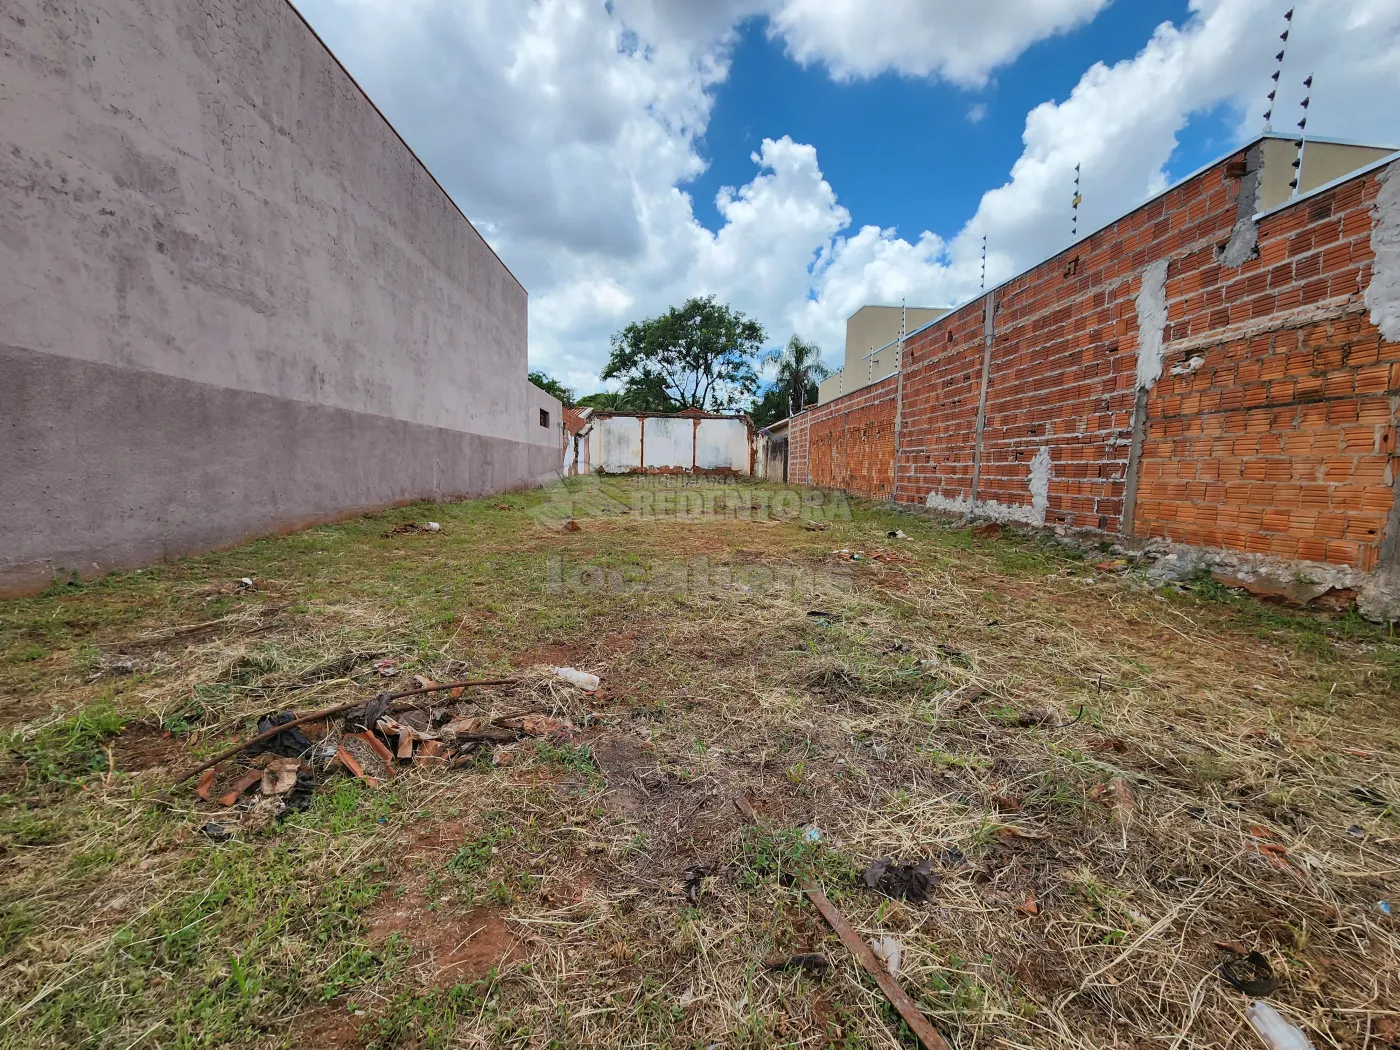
[(589, 140), (903, 151)]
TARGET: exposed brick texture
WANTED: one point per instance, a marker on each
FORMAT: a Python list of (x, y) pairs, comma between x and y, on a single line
[(1278, 434), (1281, 439), (849, 443), (941, 384), (1064, 355)]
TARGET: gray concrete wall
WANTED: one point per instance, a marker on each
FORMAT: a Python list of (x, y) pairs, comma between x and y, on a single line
[(196, 203)]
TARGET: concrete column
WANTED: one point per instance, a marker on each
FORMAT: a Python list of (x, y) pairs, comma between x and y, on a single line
[(989, 309)]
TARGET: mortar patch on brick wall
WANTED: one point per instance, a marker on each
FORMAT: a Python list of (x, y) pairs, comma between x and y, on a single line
[(1189, 366), (1377, 593), (1033, 513), (948, 504), (1243, 244), (1244, 235), (1383, 293), (1041, 469), (1152, 322)]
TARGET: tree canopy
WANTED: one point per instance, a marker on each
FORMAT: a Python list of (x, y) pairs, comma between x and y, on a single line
[(644, 393), (551, 385), (800, 369), (698, 355), (776, 403)]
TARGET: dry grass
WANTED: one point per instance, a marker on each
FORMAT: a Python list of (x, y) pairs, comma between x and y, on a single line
[(1232, 777)]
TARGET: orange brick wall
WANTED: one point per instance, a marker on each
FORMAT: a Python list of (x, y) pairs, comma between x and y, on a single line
[(1280, 438), (942, 381), (1064, 358), (849, 443)]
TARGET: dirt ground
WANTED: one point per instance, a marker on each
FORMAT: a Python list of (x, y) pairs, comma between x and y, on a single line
[(1122, 790)]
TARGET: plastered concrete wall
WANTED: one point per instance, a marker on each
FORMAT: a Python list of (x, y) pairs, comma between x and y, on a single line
[(871, 327), (1383, 291), (832, 387), (724, 444), (662, 444), (669, 443), (197, 191), (1322, 162), (618, 440)]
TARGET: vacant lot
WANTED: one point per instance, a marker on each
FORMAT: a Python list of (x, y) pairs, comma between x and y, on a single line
[(1144, 774)]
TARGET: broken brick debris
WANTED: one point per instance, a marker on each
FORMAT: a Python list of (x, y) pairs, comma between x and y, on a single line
[(242, 784), (377, 746), (280, 776), (432, 752), (352, 765), (285, 762), (320, 716)]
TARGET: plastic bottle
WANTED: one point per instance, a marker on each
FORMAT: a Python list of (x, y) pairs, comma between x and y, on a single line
[(1275, 1029), (582, 679)]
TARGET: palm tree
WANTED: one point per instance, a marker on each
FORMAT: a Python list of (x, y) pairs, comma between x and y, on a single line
[(799, 368), (603, 401), (644, 392)]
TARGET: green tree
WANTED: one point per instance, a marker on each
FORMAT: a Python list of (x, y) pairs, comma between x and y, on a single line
[(800, 369), (603, 401), (776, 403), (645, 392), (699, 355), (552, 386)]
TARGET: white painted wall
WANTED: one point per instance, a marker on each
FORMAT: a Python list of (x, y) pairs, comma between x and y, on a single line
[(721, 443), (618, 443), (670, 443)]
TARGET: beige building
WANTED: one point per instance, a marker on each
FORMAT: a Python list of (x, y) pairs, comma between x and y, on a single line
[(1323, 161), (872, 346)]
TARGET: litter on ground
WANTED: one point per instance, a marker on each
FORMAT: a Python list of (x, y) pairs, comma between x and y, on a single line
[(684, 782)]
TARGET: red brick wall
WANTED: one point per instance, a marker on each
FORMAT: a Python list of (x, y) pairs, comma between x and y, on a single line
[(797, 448), (942, 381), (1282, 439), (849, 443), (1064, 358)]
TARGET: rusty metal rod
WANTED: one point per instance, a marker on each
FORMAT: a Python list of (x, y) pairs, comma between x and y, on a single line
[(331, 712)]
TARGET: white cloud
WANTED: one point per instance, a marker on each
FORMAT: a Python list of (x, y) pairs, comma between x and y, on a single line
[(961, 42), (977, 112), (1121, 122), (566, 129)]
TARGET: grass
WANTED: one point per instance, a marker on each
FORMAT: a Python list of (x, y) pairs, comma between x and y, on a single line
[(538, 896)]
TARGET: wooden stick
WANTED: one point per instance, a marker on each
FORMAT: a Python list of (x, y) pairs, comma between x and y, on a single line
[(899, 999), (330, 712)]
